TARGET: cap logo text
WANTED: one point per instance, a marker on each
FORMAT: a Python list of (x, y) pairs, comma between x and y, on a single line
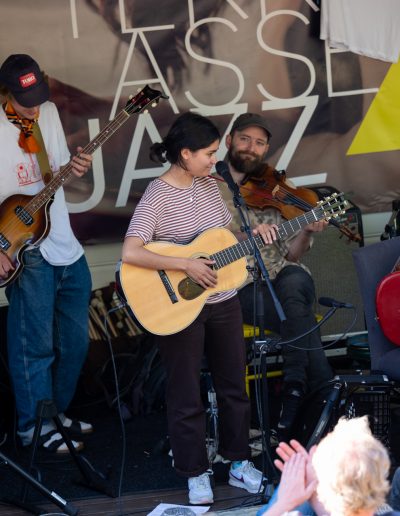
[(27, 80)]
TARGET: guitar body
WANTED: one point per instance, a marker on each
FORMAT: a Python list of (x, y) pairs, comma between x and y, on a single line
[(165, 302), (388, 306), (17, 235), (149, 299)]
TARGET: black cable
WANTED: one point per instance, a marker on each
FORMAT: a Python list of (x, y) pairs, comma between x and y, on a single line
[(280, 343), (118, 399)]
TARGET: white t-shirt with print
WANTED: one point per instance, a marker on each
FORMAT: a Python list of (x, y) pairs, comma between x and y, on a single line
[(20, 174)]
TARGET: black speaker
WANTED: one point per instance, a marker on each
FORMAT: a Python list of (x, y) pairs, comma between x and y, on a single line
[(345, 396), (331, 264)]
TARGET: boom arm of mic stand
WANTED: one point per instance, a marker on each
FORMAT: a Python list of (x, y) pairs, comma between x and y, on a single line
[(279, 344)]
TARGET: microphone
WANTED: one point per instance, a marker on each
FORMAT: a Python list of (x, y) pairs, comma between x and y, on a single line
[(223, 170), (332, 303)]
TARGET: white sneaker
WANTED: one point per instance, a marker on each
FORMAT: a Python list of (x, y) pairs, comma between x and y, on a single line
[(200, 491), (247, 477)]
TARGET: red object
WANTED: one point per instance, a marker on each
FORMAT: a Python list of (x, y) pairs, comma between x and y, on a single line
[(388, 306)]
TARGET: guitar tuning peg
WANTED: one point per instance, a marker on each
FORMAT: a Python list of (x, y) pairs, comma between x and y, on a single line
[(130, 97), (154, 104), (138, 89), (145, 111)]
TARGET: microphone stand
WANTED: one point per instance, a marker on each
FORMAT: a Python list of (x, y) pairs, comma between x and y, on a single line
[(260, 273)]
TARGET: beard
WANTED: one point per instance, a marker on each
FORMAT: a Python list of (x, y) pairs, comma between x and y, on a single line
[(251, 167)]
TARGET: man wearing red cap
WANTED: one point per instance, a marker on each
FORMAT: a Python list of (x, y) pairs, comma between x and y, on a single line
[(47, 327)]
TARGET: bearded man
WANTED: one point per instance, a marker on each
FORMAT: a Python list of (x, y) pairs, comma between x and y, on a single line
[(305, 366)]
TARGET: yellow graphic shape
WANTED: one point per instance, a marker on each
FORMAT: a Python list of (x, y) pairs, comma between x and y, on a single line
[(380, 129)]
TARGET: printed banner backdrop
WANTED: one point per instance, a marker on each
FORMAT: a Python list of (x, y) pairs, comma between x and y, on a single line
[(333, 115)]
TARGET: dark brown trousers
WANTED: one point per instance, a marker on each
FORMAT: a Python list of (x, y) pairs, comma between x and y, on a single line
[(217, 333)]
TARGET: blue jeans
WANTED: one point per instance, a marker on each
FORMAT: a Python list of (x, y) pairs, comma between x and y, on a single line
[(47, 333)]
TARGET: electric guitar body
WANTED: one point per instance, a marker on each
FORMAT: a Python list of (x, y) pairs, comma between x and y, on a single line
[(21, 234)]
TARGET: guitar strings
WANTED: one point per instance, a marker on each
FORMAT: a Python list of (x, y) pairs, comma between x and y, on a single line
[(64, 175)]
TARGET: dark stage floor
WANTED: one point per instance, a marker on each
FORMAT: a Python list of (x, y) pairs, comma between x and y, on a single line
[(140, 471), (147, 477)]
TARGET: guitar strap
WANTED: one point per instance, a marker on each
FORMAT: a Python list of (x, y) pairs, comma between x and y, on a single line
[(42, 156)]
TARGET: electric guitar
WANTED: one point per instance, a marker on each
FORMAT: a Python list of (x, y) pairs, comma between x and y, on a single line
[(167, 301), (24, 219), (388, 304)]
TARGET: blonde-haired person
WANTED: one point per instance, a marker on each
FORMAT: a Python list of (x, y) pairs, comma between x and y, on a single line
[(352, 469), (345, 475)]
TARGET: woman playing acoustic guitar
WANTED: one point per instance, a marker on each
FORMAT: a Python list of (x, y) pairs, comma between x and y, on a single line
[(177, 207)]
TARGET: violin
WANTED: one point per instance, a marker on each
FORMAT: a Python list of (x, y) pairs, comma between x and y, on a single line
[(272, 190)]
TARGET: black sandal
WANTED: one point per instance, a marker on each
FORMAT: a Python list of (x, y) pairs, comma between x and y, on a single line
[(54, 443), (76, 427)]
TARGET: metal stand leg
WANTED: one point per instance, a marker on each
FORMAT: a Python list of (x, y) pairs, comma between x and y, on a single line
[(212, 437), (92, 478), (331, 403), (269, 468), (65, 506)]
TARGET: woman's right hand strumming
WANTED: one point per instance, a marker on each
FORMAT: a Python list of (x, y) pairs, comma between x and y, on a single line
[(200, 270)]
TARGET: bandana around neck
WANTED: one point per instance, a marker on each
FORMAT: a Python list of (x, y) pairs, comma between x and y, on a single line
[(27, 140)]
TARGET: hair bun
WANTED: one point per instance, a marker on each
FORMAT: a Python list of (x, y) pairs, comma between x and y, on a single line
[(157, 152)]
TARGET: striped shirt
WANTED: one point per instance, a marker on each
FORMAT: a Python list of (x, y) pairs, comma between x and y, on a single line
[(179, 215)]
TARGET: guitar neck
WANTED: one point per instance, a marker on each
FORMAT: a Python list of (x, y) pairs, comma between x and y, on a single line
[(245, 247), (66, 172), (136, 104)]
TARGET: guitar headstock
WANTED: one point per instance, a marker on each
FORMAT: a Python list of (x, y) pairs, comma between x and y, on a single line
[(141, 100), (333, 205)]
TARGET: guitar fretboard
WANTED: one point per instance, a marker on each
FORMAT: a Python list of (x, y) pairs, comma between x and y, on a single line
[(146, 96), (66, 172), (245, 248)]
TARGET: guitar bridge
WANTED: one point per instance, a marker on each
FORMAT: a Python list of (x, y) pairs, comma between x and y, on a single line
[(168, 286), (24, 216), (4, 243)]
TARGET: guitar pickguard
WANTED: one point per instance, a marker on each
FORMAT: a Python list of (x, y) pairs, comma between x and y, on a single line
[(189, 289)]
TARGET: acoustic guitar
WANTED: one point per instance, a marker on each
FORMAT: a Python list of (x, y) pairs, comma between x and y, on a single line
[(388, 304), (167, 301), (24, 219)]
